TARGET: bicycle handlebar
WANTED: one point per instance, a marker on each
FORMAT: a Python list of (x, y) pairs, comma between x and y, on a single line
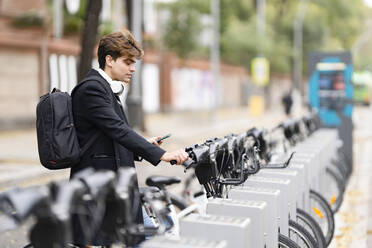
[(20, 203), (278, 166), (99, 182)]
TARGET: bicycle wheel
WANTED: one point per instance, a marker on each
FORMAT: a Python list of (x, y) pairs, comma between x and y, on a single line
[(322, 213), (285, 242), (346, 162), (301, 236), (340, 170), (308, 222), (336, 192)]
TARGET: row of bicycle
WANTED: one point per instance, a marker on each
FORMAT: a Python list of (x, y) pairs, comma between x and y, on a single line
[(260, 188), (290, 203)]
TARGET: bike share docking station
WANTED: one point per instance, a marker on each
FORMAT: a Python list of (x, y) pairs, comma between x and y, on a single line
[(286, 174), (236, 231), (272, 198), (330, 92), (303, 174), (286, 186), (259, 213), (263, 235), (182, 242), (316, 154), (254, 213)]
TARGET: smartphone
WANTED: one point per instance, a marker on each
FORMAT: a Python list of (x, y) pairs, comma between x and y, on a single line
[(164, 137)]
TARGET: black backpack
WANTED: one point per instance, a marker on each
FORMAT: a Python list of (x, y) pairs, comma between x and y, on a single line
[(56, 135)]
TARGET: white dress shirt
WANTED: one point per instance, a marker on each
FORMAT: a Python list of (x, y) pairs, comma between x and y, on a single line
[(116, 86)]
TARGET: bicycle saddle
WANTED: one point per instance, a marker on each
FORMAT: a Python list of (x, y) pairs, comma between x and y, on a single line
[(161, 181)]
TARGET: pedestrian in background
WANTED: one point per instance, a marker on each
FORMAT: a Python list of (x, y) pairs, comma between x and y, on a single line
[(287, 102)]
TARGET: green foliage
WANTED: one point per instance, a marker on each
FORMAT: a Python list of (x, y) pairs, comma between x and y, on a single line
[(105, 28), (74, 23), (329, 25), (239, 43), (29, 19), (183, 26), (344, 19)]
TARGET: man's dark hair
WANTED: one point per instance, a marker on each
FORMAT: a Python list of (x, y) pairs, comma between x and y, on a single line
[(116, 45)]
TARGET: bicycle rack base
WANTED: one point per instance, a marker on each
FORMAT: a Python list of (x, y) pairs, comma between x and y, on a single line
[(271, 196), (288, 198), (181, 242), (236, 231)]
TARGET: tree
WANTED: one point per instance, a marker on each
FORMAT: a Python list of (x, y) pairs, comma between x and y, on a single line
[(183, 27), (329, 25), (128, 6), (89, 37)]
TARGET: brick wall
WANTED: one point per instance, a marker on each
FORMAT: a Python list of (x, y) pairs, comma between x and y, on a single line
[(19, 91), (18, 7)]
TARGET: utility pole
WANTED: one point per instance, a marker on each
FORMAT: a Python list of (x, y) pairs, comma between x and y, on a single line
[(260, 65), (215, 54), (134, 99), (298, 45), (261, 21), (57, 19)]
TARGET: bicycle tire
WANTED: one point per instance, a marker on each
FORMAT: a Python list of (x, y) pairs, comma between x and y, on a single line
[(306, 238), (341, 170), (341, 188), (327, 211), (346, 168), (285, 242), (346, 161), (313, 226)]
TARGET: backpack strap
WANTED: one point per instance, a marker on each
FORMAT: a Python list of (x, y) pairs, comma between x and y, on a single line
[(90, 78)]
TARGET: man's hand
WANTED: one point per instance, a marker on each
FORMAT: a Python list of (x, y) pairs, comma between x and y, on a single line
[(180, 156), (154, 140)]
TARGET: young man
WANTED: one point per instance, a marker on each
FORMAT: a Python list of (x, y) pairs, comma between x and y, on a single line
[(97, 110)]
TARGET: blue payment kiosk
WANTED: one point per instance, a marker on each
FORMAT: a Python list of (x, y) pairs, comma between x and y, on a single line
[(330, 91)]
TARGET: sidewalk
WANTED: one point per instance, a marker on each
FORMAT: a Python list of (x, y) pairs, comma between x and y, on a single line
[(19, 162), (354, 219)]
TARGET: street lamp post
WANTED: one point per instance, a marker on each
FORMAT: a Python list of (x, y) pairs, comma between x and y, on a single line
[(215, 53), (134, 100), (260, 73), (57, 19), (298, 44), (261, 20)]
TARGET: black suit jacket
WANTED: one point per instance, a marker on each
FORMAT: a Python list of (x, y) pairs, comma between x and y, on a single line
[(96, 110)]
